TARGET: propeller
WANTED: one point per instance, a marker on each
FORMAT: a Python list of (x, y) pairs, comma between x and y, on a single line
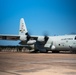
[(46, 38), (28, 36)]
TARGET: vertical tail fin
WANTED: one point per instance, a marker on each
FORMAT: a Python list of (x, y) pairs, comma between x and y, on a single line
[(23, 29)]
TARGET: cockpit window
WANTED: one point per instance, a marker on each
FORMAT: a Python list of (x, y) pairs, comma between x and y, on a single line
[(75, 37)]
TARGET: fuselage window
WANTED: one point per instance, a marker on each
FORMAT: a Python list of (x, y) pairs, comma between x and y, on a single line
[(75, 37)]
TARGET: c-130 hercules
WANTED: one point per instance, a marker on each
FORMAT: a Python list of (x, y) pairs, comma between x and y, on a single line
[(42, 43)]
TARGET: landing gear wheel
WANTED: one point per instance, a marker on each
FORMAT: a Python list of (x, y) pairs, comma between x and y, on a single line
[(55, 51)]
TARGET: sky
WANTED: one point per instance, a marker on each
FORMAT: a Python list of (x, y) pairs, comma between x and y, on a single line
[(51, 17)]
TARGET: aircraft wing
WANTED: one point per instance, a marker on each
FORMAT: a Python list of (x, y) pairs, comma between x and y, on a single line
[(9, 37), (13, 37)]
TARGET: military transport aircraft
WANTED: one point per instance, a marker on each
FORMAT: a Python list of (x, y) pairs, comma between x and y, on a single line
[(42, 43)]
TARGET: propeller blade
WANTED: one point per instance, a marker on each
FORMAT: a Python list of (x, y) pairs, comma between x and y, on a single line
[(46, 38)]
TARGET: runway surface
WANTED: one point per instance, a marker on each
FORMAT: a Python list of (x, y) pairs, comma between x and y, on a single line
[(37, 63)]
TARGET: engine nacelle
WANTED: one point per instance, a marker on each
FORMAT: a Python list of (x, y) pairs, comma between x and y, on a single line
[(40, 38), (23, 37), (30, 42)]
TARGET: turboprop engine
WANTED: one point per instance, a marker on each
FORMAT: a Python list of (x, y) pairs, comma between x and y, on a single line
[(23, 37), (40, 38), (43, 38)]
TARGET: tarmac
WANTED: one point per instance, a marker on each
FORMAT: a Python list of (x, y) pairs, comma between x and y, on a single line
[(18, 63)]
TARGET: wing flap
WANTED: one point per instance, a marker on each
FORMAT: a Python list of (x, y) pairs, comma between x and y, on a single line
[(9, 37)]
